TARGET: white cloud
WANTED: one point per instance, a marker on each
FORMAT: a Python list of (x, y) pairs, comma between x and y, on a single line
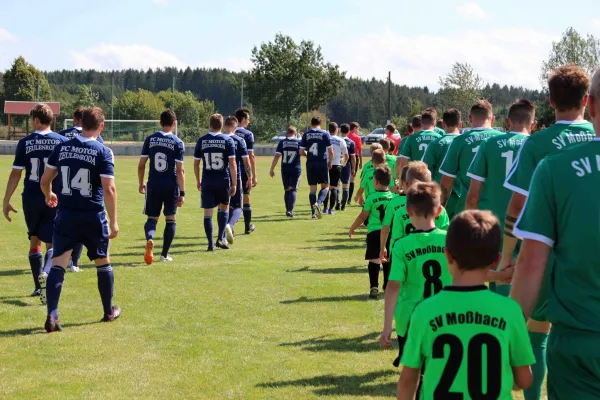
[(160, 2), (471, 10), (6, 36), (111, 56)]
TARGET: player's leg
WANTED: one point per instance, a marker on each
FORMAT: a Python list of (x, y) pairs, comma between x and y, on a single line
[(338, 203), (334, 180), (152, 208), (208, 203), (36, 263), (538, 336), (351, 187), (345, 178), (44, 232), (235, 212), (285, 177), (247, 208), (75, 256), (312, 179), (223, 218), (293, 181), (387, 266), (169, 211), (372, 256)]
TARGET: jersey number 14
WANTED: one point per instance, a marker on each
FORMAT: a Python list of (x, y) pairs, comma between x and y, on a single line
[(81, 181)]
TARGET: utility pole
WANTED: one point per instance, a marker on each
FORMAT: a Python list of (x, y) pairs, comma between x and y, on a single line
[(38, 91), (389, 97), (242, 95), (307, 98), (112, 106)]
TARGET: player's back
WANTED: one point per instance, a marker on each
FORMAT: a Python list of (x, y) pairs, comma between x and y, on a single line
[(248, 137), (289, 148), (74, 131), (32, 155), (240, 151), (350, 145), (316, 142), (375, 203), (435, 153), (402, 226), (339, 149), (417, 143), (163, 150), (469, 338), (215, 149)]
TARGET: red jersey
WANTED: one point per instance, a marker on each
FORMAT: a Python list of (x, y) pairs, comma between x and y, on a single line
[(357, 142), (396, 141)]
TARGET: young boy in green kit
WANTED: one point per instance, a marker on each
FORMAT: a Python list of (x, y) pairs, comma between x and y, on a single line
[(372, 212), (473, 342)]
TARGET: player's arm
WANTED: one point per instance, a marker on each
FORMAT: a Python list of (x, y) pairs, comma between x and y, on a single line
[(110, 202), (197, 173), (330, 153), (180, 171), (247, 169), (346, 157), (233, 173), (142, 173), (408, 382), (358, 197), (385, 233), (11, 186), (362, 217), (529, 274), (474, 194), (523, 377), (515, 206), (252, 158), (274, 164), (353, 165), (446, 184)]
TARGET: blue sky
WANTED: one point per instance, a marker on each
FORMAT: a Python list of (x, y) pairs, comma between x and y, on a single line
[(504, 41)]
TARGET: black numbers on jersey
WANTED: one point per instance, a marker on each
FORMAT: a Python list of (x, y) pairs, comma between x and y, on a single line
[(409, 229), (288, 157), (432, 272), (81, 181), (381, 210), (475, 362), (160, 162)]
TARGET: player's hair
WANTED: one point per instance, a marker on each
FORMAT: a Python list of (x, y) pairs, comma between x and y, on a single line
[(167, 118), (433, 112), (354, 125), (92, 118), (409, 129), (428, 117), (375, 146), (416, 122), (315, 121), (378, 157), (383, 175), (291, 129), (216, 122), (452, 118), (332, 127), (231, 121), (481, 110), (417, 171), (78, 114), (43, 112), (439, 124), (392, 146), (390, 128), (424, 199), (345, 128), (568, 86), (521, 111), (242, 113), (385, 144), (595, 87), (473, 239), (404, 173)]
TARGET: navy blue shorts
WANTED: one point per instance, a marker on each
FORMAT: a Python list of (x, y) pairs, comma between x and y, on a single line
[(244, 180), (346, 172), (317, 173), (238, 198), (212, 196), (89, 228), (290, 179), (161, 197), (39, 219)]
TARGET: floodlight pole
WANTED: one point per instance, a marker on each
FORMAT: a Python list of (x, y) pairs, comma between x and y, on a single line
[(242, 96), (307, 98), (112, 106), (173, 101)]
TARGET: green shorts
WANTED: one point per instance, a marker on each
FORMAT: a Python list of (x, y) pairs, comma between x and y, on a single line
[(573, 359)]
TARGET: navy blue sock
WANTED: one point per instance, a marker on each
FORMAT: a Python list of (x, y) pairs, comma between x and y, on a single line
[(76, 254), (345, 195), (168, 236), (326, 200), (234, 216), (54, 284), (247, 215), (106, 285), (208, 229), (322, 195), (286, 199), (35, 262), (150, 228), (222, 219), (312, 198), (350, 191), (292, 199)]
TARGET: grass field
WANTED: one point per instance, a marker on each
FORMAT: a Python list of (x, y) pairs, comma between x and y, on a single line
[(283, 315)]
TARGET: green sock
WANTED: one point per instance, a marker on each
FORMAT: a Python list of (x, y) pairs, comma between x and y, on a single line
[(538, 342)]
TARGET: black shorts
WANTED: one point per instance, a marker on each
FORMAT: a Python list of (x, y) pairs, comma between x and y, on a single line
[(401, 344), (373, 241), (212, 196), (161, 197), (335, 173), (238, 198), (317, 173), (290, 179), (39, 219)]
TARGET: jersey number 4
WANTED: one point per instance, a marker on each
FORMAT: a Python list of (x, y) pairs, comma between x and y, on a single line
[(314, 149), (81, 181)]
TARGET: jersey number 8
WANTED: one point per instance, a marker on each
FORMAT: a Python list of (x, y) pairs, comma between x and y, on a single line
[(432, 272)]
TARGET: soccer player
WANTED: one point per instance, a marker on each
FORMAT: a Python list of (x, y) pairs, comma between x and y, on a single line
[(354, 127), (372, 212), (419, 269), (492, 164), (386, 146), (340, 158), (32, 155), (289, 149), (85, 171), (417, 143), (165, 189), (242, 160), (436, 128), (348, 170), (436, 151), (316, 147), (560, 217), (216, 151), (243, 117), (568, 87), (390, 129), (76, 129), (461, 152), (366, 183)]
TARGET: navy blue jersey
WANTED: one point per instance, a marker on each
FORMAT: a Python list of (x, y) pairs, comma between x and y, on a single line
[(70, 133), (215, 150), (81, 163), (248, 139), (163, 150), (316, 142), (289, 149), (351, 146), (32, 155), (240, 152)]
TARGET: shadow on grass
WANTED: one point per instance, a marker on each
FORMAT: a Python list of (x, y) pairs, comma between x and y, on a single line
[(337, 385), (334, 247), (18, 303), (360, 344), (13, 272), (40, 329), (333, 299), (341, 270)]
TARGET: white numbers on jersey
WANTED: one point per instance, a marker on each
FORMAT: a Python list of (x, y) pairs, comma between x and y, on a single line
[(509, 159), (289, 156), (213, 161), (314, 149), (423, 146), (475, 150), (81, 181), (35, 169), (160, 162)]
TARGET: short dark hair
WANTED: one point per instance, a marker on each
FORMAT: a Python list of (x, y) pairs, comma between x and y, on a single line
[(439, 124), (345, 128), (433, 112), (332, 127), (452, 118), (521, 111), (216, 122), (409, 129), (417, 171), (390, 128), (482, 109), (427, 117), (42, 112), (473, 239), (424, 199), (404, 173), (385, 143), (231, 121), (378, 157), (416, 121), (392, 146), (78, 114), (315, 121), (167, 118), (354, 125), (568, 86), (92, 118), (383, 175), (291, 129), (242, 113)]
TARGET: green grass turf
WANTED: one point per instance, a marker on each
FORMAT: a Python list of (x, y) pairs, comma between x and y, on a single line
[(284, 314)]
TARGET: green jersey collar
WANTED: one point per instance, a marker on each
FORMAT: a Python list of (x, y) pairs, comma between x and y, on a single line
[(465, 288)]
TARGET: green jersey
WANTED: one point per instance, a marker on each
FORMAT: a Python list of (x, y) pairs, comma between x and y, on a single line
[(367, 168), (390, 210), (439, 131), (416, 144), (390, 160), (459, 156), (491, 165), (419, 264), (562, 211), (470, 339), (435, 153), (367, 179), (375, 205), (402, 226)]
